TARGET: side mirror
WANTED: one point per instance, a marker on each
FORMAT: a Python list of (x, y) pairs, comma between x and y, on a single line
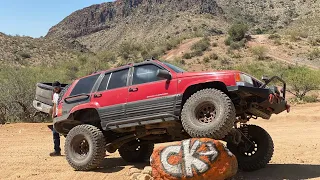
[(265, 78), (164, 74)]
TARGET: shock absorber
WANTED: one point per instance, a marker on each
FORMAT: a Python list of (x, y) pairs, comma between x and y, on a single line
[(244, 129)]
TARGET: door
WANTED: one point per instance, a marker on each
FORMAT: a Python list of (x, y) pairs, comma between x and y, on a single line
[(112, 96), (149, 95)]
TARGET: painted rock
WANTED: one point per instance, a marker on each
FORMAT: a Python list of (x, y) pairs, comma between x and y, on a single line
[(195, 159)]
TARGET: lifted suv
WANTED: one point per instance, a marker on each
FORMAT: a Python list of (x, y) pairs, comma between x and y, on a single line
[(135, 106)]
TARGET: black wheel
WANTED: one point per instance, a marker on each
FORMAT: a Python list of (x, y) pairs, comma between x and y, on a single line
[(136, 153), (253, 156), (85, 147), (63, 91), (208, 113)]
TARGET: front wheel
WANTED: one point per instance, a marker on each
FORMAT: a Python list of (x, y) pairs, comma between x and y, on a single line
[(255, 155), (85, 147), (208, 113)]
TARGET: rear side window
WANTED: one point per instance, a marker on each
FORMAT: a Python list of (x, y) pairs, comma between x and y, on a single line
[(85, 85), (118, 79), (104, 83)]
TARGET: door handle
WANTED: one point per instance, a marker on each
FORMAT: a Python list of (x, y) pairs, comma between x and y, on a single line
[(97, 95), (133, 89)]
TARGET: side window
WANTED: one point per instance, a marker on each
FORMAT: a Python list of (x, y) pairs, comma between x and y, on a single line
[(145, 74), (85, 85), (104, 83), (118, 79)]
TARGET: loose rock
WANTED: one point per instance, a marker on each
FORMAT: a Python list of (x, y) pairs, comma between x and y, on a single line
[(197, 158)]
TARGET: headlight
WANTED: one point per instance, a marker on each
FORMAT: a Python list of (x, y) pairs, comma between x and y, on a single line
[(243, 79)]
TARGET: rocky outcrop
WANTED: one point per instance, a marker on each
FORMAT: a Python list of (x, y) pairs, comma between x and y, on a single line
[(194, 159), (106, 15)]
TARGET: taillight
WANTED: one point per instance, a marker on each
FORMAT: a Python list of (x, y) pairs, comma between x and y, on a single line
[(59, 110)]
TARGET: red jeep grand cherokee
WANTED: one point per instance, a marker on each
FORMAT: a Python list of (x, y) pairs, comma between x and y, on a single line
[(131, 108)]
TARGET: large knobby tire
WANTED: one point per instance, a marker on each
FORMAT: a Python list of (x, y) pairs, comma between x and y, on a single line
[(208, 113), (258, 155), (85, 147), (136, 153)]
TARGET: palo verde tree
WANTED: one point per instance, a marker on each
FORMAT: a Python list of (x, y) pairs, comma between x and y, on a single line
[(302, 80)]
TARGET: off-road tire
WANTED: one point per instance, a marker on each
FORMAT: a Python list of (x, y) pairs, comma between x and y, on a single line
[(263, 155), (223, 122), (130, 154), (97, 147), (63, 91)]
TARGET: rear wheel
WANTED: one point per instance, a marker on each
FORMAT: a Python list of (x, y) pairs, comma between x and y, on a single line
[(208, 113), (255, 155), (85, 147), (136, 153)]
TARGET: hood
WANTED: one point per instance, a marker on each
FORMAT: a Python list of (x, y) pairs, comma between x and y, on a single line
[(189, 74)]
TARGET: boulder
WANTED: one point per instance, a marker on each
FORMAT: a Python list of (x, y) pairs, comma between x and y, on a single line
[(196, 159)]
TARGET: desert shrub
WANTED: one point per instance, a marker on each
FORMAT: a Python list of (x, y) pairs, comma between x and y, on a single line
[(107, 56), (294, 35), (277, 42), (302, 80), (25, 55), (259, 51), (214, 56), (314, 54), (215, 44), (314, 41), (310, 99), (274, 36), (187, 56), (237, 45), (129, 51), (206, 59), (201, 45), (237, 31), (228, 41)]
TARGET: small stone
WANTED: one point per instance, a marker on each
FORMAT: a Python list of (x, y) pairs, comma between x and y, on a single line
[(133, 171), (144, 177), (147, 170), (134, 176)]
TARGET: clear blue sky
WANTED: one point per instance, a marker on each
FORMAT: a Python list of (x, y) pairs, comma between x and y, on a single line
[(35, 17)]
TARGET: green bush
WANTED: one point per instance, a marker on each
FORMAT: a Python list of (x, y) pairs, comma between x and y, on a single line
[(214, 44), (237, 31), (206, 59), (314, 54), (214, 56), (25, 55), (237, 45), (274, 36), (302, 80), (314, 41), (310, 99), (259, 51), (187, 56), (277, 42), (201, 45), (228, 41)]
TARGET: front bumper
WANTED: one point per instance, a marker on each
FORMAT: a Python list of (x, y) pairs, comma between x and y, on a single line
[(260, 102)]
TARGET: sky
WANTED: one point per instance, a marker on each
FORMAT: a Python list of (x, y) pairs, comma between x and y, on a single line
[(35, 17)]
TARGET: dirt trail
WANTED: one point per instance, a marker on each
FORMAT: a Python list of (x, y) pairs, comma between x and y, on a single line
[(275, 52), (184, 47), (24, 150)]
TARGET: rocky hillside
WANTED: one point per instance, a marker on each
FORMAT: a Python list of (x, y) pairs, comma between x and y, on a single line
[(104, 26), (20, 50)]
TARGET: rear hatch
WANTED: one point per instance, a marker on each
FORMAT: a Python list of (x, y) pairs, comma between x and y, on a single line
[(43, 98)]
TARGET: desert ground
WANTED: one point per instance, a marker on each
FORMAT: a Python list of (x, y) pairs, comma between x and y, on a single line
[(24, 150)]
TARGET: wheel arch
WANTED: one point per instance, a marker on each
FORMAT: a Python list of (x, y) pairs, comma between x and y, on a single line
[(197, 87), (82, 116)]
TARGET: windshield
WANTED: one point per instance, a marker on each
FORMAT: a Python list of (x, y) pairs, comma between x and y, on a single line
[(175, 68)]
